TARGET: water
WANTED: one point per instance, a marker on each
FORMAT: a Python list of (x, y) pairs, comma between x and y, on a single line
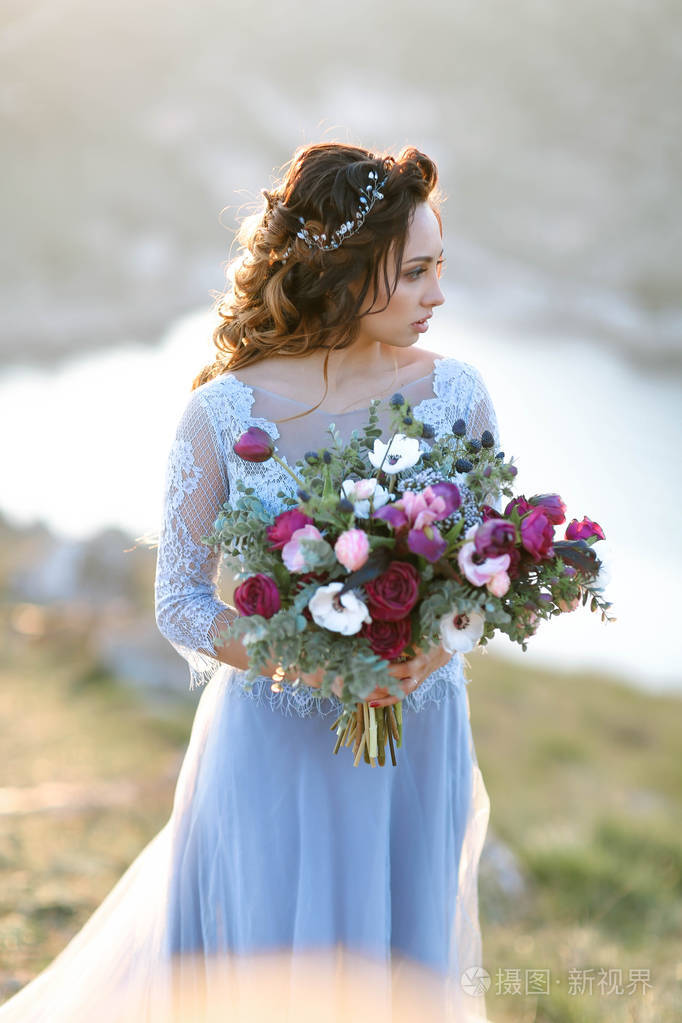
[(89, 444)]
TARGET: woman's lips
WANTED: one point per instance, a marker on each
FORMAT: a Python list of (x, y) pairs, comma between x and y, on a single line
[(422, 325)]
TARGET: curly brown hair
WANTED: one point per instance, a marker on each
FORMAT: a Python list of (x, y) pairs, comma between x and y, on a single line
[(313, 299)]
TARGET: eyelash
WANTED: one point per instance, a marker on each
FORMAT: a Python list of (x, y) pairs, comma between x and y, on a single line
[(414, 275)]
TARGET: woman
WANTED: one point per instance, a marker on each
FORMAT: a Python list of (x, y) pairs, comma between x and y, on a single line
[(275, 847)]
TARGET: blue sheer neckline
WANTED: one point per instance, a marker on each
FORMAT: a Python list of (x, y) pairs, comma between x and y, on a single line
[(326, 412)]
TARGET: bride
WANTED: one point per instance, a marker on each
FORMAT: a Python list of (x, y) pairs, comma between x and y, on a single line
[(286, 884)]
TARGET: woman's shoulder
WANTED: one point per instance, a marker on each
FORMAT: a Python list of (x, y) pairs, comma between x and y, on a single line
[(220, 399), (453, 371)]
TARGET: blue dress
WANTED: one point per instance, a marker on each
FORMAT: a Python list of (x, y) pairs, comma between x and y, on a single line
[(282, 867)]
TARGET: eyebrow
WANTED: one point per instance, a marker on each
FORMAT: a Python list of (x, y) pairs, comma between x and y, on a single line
[(422, 259)]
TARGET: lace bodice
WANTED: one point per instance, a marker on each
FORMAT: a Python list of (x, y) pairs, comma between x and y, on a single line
[(201, 475)]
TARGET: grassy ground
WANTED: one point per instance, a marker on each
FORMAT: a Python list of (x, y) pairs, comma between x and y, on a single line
[(583, 774), (585, 782)]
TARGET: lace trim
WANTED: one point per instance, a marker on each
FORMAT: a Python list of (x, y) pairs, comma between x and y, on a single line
[(440, 685)]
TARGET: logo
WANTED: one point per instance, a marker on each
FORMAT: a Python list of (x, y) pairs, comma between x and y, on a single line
[(475, 980)]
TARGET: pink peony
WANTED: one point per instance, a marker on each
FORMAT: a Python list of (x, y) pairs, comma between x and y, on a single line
[(584, 530), (521, 505), (292, 552), (553, 506), (352, 549), (537, 534)]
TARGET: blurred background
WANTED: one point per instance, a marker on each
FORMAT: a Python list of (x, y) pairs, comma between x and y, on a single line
[(134, 139)]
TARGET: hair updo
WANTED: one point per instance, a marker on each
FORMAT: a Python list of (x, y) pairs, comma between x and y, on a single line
[(275, 307)]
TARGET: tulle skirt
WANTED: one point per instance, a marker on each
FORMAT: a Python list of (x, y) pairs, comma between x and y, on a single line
[(288, 884)]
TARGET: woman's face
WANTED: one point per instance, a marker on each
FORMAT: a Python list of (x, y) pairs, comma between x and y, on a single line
[(406, 316)]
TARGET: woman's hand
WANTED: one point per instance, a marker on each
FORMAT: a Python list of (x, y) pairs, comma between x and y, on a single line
[(313, 678), (411, 674)]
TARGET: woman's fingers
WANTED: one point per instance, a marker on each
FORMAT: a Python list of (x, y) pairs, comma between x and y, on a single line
[(408, 686)]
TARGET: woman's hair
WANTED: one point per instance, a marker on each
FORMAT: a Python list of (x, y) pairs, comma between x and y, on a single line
[(312, 298)]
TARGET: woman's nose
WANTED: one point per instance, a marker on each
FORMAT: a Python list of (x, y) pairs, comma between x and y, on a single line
[(435, 295)]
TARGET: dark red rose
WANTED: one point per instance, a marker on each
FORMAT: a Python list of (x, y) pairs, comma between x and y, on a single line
[(495, 537), (553, 506), (257, 595), (520, 503), (388, 639), (488, 512), (514, 563), (254, 445), (537, 534), (285, 525), (583, 530), (394, 593)]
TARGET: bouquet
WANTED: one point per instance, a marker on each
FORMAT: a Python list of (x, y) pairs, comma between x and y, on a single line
[(389, 547)]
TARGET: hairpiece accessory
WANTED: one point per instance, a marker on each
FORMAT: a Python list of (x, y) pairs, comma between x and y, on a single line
[(319, 241)]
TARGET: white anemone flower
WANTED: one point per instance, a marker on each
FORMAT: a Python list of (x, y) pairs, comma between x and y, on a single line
[(460, 633), (358, 492), (403, 453), (345, 614)]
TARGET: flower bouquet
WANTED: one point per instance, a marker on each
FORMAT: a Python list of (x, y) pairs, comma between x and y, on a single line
[(388, 548)]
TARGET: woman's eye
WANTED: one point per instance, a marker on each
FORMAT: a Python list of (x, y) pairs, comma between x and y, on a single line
[(415, 274)]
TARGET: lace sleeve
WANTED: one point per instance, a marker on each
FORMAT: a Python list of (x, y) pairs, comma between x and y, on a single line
[(188, 611), (479, 415)]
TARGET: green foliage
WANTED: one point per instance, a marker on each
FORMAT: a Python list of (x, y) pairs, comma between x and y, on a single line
[(289, 638)]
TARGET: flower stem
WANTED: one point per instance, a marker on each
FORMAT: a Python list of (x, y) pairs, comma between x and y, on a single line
[(398, 708), (288, 469)]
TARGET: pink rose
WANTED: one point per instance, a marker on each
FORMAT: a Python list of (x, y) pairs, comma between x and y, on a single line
[(537, 534), (285, 525), (583, 530), (257, 595), (292, 552), (498, 584), (352, 549)]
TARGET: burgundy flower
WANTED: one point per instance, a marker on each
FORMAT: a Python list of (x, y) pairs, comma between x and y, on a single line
[(394, 593), (285, 525), (553, 506), (494, 537), (254, 445), (537, 534), (514, 569), (257, 595), (520, 503), (584, 530), (388, 639), (489, 512)]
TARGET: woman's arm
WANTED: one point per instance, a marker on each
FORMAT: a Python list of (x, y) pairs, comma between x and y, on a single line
[(189, 612)]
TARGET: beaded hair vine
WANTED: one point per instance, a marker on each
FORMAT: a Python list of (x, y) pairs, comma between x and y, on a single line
[(372, 192)]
